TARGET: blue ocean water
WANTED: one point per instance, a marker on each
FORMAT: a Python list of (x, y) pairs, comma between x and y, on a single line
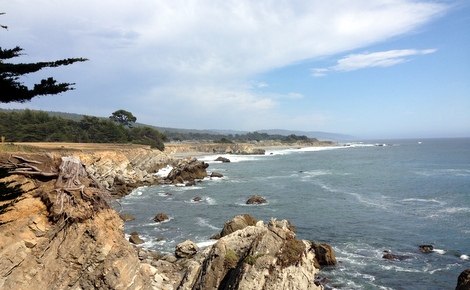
[(361, 199)]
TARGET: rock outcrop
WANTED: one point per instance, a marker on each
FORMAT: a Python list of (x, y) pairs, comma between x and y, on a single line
[(256, 257), (160, 217), (186, 170), (256, 199), (63, 234), (463, 282), (222, 159), (123, 170)]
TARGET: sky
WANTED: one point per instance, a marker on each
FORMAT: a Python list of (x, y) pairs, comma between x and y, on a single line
[(370, 69)]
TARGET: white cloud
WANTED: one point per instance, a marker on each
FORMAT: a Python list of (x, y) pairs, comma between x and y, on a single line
[(375, 59), (201, 53)]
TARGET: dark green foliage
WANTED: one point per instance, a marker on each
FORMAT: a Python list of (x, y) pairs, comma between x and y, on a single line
[(8, 194), (14, 91), (148, 136), (123, 117), (223, 140), (38, 126)]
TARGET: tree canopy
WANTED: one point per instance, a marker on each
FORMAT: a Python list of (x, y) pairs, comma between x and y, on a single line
[(13, 90), (123, 117)]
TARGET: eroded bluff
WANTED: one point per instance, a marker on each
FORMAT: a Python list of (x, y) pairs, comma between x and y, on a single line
[(63, 234)]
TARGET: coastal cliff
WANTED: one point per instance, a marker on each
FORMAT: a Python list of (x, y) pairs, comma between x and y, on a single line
[(64, 234)]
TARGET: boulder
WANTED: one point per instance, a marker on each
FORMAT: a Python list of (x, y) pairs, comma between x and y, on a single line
[(197, 199), (186, 249), (160, 217), (127, 217), (394, 257), (255, 257), (135, 239), (463, 282), (426, 248), (187, 169), (222, 159), (256, 199), (237, 223), (216, 174), (324, 255)]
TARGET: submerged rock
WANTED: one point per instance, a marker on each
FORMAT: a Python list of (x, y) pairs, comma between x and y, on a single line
[(127, 217), (222, 159), (216, 174), (426, 248), (256, 199), (160, 217)]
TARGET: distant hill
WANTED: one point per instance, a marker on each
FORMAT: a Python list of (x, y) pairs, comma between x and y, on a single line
[(311, 134), (323, 136)]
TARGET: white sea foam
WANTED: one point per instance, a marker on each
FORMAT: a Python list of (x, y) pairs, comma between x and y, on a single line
[(204, 223), (421, 200), (210, 201), (439, 251), (206, 244), (163, 172), (464, 257)]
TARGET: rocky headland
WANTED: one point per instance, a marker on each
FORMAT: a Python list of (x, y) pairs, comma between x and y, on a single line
[(63, 233)]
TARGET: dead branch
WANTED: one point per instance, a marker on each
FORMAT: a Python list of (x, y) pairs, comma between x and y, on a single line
[(26, 160)]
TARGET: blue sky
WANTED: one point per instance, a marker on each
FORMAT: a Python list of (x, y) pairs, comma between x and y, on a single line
[(371, 69)]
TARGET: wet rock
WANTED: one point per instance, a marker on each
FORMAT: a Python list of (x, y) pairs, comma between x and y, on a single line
[(186, 249), (394, 257), (426, 248), (463, 282), (127, 217), (222, 159), (135, 239), (216, 174), (256, 199), (324, 255), (197, 199), (160, 217), (187, 169)]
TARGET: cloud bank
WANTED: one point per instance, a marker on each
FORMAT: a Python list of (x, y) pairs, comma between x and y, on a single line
[(170, 61)]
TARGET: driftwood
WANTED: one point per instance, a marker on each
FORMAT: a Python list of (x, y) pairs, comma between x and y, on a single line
[(24, 166)]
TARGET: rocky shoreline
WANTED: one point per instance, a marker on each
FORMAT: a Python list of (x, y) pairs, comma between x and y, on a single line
[(63, 233)]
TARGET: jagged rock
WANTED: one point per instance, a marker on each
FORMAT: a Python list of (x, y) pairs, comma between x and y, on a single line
[(256, 199), (426, 248), (216, 174), (61, 237), (324, 254), (127, 217), (160, 217), (222, 159), (187, 169), (256, 257), (237, 223), (186, 249), (463, 282), (135, 239)]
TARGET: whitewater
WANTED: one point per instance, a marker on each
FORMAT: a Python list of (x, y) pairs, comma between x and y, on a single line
[(362, 198)]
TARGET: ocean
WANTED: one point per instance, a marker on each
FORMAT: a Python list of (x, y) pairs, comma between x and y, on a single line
[(362, 198)]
